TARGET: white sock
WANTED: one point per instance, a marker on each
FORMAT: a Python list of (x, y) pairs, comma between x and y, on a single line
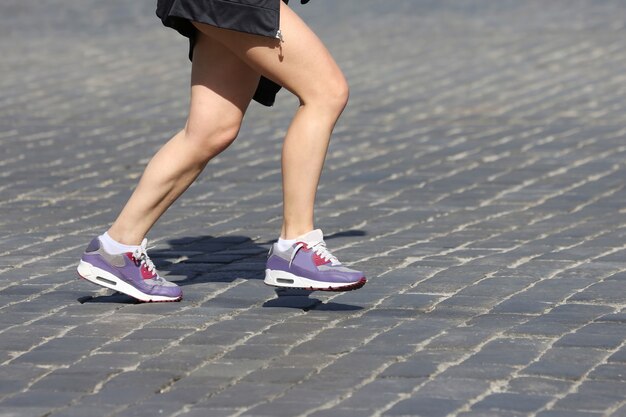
[(284, 244), (114, 247)]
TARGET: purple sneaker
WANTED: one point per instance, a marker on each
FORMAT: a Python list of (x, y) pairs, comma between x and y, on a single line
[(309, 264), (131, 273)]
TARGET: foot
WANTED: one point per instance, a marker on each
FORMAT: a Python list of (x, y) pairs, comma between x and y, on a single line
[(131, 273), (309, 264)]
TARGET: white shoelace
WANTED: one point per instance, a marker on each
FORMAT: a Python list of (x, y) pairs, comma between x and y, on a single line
[(320, 249), (141, 255)]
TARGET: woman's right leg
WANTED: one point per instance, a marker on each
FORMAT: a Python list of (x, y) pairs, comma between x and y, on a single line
[(222, 86)]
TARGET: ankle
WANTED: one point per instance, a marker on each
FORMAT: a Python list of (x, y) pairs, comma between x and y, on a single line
[(294, 233), (129, 239), (115, 247)]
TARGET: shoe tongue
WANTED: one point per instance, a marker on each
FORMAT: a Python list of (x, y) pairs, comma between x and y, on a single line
[(312, 237)]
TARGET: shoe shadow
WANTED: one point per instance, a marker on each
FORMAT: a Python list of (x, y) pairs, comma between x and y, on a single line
[(201, 259), (116, 297), (300, 299)]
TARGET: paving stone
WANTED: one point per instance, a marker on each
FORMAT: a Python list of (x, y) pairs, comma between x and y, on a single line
[(593, 340), (619, 356), (339, 412), (611, 372), (254, 352), (135, 346), (42, 357), (24, 411), (507, 352), (202, 386), (461, 338), (15, 377), (24, 339), (278, 409), (476, 177), (131, 387), (522, 305), (511, 401), (454, 389), (69, 380), (466, 371), (565, 363), (146, 409), (597, 335), (108, 361), (604, 292), (538, 386), (594, 396), (279, 374), (38, 398), (81, 410), (423, 407), (620, 411), (229, 369), (560, 320), (208, 411), (245, 394), (180, 359), (484, 413), (567, 413), (410, 369)]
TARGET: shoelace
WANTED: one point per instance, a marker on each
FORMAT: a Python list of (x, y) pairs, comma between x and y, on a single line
[(319, 248), (141, 255)]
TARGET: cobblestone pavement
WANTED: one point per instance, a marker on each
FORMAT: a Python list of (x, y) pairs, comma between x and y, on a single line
[(478, 177)]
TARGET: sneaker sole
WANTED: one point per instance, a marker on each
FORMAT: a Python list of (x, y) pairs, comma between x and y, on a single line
[(287, 280), (105, 279)]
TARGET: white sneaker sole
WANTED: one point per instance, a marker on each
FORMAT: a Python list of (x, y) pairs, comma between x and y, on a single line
[(288, 280), (103, 278)]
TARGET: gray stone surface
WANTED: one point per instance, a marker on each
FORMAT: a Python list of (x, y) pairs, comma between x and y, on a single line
[(477, 177)]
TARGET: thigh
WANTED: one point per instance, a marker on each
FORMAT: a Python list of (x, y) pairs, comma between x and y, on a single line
[(300, 63), (222, 86)]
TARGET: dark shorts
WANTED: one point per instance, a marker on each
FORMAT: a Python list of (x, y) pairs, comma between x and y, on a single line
[(258, 17)]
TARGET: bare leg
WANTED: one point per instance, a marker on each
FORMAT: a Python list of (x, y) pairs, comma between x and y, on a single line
[(222, 87), (305, 67)]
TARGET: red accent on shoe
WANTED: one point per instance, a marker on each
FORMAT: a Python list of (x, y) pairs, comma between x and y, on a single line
[(145, 273), (318, 260)]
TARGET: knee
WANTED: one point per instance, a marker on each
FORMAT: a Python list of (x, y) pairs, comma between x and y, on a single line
[(331, 95), (339, 94), (208, 141)]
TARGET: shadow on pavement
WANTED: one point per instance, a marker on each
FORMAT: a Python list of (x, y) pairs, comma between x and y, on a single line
[(116, 297), (300, 299)]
